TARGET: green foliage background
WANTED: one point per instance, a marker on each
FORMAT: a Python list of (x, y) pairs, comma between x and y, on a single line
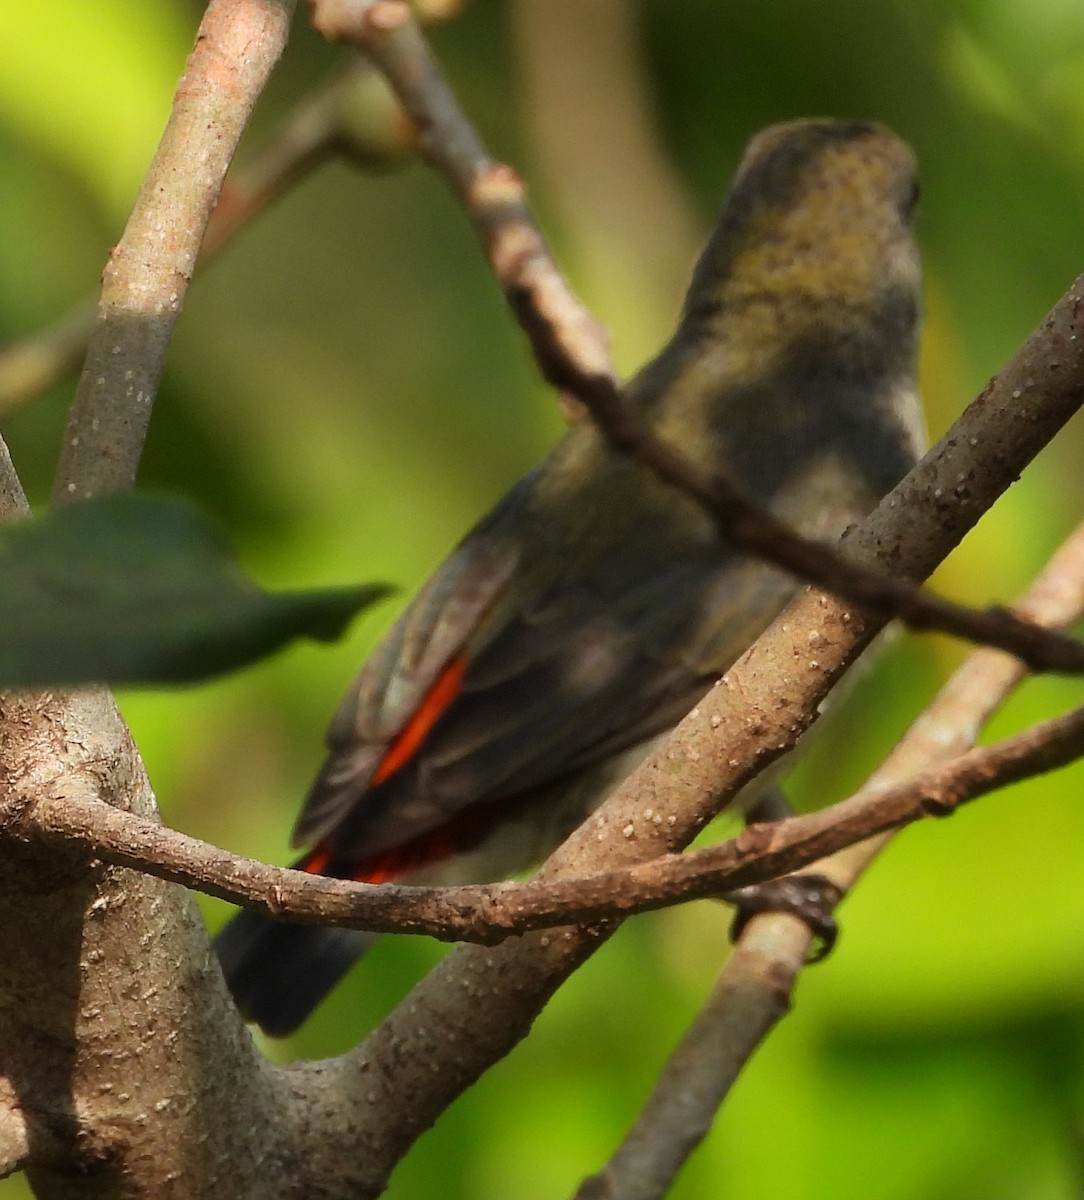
[(347, 394)]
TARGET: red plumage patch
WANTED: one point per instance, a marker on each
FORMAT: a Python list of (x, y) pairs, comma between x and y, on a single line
[(413, 733), (461, 833)]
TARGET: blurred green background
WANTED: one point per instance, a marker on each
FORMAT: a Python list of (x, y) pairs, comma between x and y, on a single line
[(346, 394)]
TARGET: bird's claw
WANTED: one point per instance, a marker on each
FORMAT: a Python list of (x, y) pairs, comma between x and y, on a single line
[(810, 898)]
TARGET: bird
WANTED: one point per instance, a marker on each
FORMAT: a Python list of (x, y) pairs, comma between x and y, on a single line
[(595, 605)]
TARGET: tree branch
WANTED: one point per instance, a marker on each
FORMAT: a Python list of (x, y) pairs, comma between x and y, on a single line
[(756, 712), (754, 988), (147, 276), (571, 351), (749, 998), (491, 193), (351, 114), (14, 1136), (118, 1040), (35, 362), (363, 1110), (977, 447), (439, 1040), (489, 913)]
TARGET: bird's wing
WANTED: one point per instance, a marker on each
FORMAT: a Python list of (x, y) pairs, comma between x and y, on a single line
[(406, 683), (440, 720)]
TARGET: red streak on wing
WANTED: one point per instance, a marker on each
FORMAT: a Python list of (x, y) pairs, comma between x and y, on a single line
[(413, 733), (462, 833), (458, 834), (315, 862)]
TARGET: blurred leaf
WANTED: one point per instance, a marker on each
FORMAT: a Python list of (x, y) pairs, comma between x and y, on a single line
[(985, 79), (142, 589), (91, 83)]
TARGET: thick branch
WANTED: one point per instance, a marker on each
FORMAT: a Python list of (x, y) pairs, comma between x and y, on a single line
[(439, 1040), (753, 991), (118, 1041), (117, 1037), (368, 1106), (514, 980), (145, 280), (687, 774)]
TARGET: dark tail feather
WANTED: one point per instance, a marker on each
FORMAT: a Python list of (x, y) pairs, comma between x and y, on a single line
[(278, 973)]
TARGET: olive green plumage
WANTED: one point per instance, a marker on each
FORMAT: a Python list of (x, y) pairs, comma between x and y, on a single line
[(594, 605)]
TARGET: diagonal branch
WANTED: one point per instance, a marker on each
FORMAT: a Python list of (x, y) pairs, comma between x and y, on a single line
[(694, 775), (439, 1040), (147, 276), (572, 355), (352, 114), (753, 990), (438, 1036)]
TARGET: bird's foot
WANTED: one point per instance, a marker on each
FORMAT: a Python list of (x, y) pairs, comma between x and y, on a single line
[(810, 898)]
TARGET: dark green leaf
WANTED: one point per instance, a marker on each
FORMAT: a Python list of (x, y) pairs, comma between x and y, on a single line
[(143, 589)]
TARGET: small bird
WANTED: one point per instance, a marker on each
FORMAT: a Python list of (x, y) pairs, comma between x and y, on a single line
[(594, 606)]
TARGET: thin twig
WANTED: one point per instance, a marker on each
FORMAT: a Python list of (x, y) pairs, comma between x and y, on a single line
[(145, 280), (748, 999), (32, 364), (571, 350), (488, 913), (352, 114), (753, 991), (491, 192)]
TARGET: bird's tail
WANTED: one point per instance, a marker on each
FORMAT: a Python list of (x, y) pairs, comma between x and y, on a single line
[(278, 973)]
